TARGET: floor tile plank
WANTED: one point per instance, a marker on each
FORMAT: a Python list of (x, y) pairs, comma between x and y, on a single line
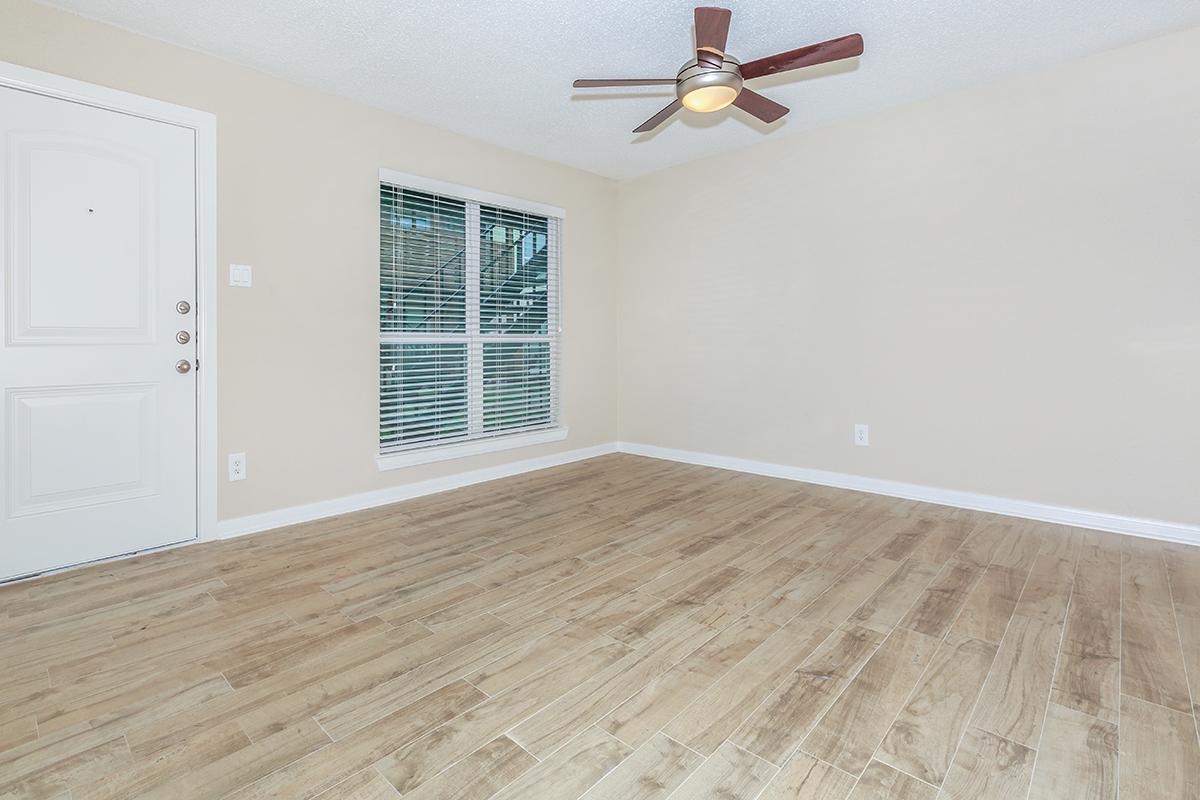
[(415, 763), (988, 767), (856, 723), (571, 770), (652, 772), (720, 710), (326, 767), (774, 730), (366, 785), (805, 778), (17, 731), (480, 775), (1089, 664), (925, 735), (1160, 756), (1152, 667), (891, 601), (1013, 701), (990, 604), (658, 702), (729, 774), (882, 782), (938, 606), (1077, 759), (588, 703)]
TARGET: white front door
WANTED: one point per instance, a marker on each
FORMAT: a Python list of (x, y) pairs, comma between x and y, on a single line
[(98, 318)]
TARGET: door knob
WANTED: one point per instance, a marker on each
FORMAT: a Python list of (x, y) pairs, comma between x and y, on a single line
[(183, 337), (183, 366), (183, 306)]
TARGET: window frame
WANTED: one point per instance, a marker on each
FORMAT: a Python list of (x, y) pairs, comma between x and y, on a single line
[(434, 451)]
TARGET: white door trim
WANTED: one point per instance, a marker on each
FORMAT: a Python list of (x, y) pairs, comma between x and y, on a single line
[(204, 125)]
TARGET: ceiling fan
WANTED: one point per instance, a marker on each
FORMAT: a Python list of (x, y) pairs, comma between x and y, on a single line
[(714, 79)]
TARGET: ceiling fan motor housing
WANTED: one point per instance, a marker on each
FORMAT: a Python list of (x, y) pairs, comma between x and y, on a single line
[(695, 75)]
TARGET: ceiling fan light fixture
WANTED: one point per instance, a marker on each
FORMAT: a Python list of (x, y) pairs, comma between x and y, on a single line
[(704, 89), (709, 98)]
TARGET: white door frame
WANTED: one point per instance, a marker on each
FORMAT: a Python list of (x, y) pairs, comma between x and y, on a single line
[(204, 125)]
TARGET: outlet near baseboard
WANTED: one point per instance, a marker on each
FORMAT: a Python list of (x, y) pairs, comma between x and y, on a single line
[(862, 435), (237, 466)]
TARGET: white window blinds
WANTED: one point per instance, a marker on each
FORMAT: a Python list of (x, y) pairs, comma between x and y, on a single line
[(468, 320)]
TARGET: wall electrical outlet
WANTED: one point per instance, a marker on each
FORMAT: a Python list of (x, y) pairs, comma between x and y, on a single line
[(237, 466), (862, 436)]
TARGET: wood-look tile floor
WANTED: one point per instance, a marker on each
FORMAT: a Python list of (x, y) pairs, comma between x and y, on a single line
[(616, 629)]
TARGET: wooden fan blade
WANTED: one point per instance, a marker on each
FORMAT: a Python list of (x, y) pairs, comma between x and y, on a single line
[(592, 84), (833, 50), (756, 105), (659, 118), (712, 33)]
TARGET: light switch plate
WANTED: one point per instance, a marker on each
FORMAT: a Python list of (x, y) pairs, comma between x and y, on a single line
[(240, 275)]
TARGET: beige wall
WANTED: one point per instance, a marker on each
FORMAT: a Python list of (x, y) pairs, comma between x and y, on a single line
[(1003, 282), (298, 200)]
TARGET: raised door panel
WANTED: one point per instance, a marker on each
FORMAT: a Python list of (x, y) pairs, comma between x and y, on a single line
[(71, 447), (83, 241)]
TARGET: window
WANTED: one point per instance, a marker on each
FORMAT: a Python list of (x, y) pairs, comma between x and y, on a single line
[(468, 322)]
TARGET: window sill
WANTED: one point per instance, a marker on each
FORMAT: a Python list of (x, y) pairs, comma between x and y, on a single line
[(450, 451)]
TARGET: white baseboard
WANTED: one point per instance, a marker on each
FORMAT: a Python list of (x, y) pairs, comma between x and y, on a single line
[(240, 526), (1115, 523)]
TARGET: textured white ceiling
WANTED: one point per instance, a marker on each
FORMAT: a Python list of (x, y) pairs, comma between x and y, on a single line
[(502, 71)]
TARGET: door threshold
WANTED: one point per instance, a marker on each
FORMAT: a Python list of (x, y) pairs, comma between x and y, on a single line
[(119, 557)]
